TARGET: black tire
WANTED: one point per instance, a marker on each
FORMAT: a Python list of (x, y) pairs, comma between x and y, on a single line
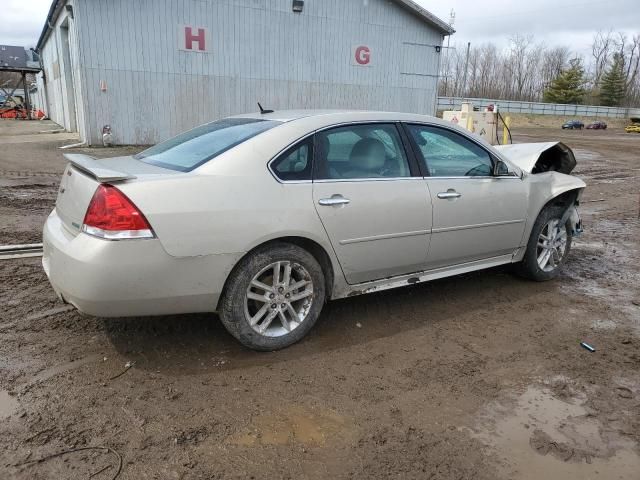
[(529, 267), (232, 303)]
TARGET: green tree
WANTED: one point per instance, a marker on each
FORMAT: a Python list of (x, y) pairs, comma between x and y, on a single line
[(612, 85), (568, 86)]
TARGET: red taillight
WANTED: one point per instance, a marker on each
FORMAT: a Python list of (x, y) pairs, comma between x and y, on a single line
[(113, 216)]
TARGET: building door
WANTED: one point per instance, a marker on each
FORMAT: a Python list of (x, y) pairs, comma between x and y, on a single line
[(69, 98)]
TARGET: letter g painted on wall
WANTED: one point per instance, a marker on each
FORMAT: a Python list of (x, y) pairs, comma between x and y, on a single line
[(361, 56)]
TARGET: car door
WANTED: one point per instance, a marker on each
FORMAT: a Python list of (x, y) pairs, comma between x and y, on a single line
[(372, 201), (476, 215)]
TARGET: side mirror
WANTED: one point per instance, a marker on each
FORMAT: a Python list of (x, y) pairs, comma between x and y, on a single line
[(501, 169)]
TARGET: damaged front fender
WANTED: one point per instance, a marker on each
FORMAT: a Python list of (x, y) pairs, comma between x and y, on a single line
[(552, 188)]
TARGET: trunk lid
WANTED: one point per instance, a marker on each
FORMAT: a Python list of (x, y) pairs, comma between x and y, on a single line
[(82, 176)]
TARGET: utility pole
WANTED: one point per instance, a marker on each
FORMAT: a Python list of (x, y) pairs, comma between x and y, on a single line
[(27, 100), (466, 65), (452, 19)]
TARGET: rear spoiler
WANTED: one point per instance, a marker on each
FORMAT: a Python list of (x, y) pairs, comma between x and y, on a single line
[(91, 167)]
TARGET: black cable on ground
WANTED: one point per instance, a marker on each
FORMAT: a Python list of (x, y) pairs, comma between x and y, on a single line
[(80, 449)]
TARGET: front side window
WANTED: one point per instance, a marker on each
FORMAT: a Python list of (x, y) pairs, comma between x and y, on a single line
[(448, 154), (295, 163), (195, 147), (360, 151)]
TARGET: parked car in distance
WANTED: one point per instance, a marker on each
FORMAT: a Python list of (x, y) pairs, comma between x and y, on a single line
[(573, 125), (597, 126), (264, 217), (634, 126)]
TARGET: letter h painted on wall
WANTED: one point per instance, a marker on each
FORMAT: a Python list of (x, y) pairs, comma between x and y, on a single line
[(193, 39)]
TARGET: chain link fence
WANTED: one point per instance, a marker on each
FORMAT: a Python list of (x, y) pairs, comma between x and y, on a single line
[(539, 108)]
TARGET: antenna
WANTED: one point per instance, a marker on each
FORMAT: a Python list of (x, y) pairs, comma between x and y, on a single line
[(262, 110)]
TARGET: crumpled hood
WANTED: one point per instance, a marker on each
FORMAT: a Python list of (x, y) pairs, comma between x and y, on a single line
[(540, 157)]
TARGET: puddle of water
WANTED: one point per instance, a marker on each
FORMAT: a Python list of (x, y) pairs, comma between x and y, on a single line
[(295, 425), (8, 404), (544, 437)]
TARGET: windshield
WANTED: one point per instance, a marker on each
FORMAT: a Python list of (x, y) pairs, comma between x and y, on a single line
[(195, 147)]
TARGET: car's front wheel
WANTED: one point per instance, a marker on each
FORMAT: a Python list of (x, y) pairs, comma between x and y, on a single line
[(548, 246), (273, 297)]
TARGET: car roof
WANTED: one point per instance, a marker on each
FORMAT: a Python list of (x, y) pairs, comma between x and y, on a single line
[(328, 117), (290, 115), (297, 124)]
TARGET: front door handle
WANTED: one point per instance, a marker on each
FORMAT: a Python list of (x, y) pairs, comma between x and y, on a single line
[(451, 193), (333, 201)]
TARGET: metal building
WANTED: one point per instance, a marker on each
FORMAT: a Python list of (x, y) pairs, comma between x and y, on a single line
[(153, 68)]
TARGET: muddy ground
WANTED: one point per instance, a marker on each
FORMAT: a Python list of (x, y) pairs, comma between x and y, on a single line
[(479, 376)]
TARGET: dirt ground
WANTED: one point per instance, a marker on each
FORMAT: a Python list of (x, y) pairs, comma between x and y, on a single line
[(480, 376)]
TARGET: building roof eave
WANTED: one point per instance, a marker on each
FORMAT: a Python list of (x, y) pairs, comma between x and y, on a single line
[(52, 16), (427, 16)]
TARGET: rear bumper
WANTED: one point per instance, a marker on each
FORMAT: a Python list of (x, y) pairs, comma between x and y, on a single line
[(129, 277)]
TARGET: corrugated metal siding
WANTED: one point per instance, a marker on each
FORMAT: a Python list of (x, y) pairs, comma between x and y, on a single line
[(59, 106), (259, 50), (37, 99), (53, 85)]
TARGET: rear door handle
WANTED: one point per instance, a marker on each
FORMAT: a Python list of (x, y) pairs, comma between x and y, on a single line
[(449, 194), (333, 201)]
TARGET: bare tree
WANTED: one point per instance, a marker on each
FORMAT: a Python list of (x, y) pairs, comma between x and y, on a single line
[(601, 49), (630, 53), (554, 60), (524, 70), (517, 63)]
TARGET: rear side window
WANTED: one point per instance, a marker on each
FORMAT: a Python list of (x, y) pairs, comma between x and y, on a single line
[(195, 147), (360, 151), (295, 163)]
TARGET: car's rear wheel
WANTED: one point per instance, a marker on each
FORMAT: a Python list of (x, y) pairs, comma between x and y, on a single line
[(548, 246), (273, 297)]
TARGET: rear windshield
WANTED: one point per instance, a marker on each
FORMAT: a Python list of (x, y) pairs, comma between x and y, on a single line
[(195, 147)]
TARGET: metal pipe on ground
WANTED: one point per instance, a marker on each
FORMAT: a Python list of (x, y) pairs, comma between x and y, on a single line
[(9, 252)]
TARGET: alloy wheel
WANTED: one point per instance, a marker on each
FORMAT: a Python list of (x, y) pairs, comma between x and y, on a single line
[(552, 245), (278, 298)]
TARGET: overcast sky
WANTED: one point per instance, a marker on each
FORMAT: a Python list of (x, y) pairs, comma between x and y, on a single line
[(568, 22), (554, 22)]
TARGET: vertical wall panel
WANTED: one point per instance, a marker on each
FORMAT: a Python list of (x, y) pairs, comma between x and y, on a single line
[(259, 50)]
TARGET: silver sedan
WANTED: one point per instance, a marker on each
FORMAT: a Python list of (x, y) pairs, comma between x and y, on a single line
[(265, 217)]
